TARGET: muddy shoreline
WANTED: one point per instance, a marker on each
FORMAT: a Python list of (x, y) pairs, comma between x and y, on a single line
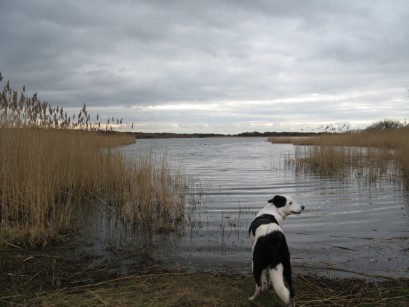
[(52, 268), (27, 275)]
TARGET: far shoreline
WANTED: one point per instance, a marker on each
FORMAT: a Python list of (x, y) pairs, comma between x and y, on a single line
[(170, 135)]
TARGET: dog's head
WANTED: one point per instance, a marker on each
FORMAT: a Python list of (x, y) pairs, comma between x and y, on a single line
[(285, 205)]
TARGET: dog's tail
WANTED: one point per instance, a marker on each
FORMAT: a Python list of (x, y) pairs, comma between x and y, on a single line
[(276, 277)]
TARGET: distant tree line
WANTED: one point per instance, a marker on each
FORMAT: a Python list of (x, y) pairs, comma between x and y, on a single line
[(268, 133), (387, 124), (168, 135)]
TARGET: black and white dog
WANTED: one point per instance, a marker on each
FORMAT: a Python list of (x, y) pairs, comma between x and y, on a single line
[(270, 250)]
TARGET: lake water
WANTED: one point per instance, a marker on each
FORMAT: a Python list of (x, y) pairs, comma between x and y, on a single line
[(349, 228)]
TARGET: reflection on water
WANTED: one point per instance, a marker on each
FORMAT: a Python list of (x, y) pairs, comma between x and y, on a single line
[(346, 225)]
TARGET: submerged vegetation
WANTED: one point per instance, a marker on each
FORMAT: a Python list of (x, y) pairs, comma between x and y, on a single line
[(51, 165), (380, 149)]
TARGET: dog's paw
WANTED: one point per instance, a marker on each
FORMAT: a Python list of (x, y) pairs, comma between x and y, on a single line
[(256, 293), (291, 303)]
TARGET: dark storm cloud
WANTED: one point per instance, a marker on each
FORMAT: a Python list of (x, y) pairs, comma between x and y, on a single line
[(242, 59)]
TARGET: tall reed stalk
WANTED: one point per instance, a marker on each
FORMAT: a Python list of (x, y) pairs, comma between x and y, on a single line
[(50, 168)]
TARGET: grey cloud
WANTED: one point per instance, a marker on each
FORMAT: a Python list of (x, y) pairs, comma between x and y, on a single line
[(130, 53)]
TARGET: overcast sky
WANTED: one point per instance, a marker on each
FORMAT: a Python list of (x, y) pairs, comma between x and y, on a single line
[(213, 66)]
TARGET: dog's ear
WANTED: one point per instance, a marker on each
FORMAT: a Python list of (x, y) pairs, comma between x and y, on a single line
[(278, 200)]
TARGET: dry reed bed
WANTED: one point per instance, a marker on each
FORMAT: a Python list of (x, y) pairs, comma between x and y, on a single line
[(50, 167), (46, 175), (372, 152)]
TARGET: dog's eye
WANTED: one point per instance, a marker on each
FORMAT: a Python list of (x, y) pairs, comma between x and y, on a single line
[(291, 202)]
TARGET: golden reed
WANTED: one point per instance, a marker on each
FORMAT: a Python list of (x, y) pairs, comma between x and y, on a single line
[(377, 150), (50, 165)]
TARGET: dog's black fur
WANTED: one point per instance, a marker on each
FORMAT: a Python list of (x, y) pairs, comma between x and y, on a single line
[(278, 201), (261, 220), (269, 251)]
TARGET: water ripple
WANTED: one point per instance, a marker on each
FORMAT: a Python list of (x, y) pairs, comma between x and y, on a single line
[(347, 224)]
